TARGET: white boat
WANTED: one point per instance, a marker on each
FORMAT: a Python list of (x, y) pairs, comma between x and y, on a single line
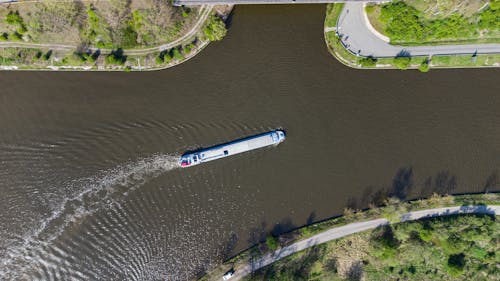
[(231, 148)]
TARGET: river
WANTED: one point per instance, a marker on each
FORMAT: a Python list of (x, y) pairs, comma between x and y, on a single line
[(89, 184)]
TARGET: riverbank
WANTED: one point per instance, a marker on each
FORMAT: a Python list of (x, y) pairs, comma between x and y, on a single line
[(275, 248), (105, 37), (352, 39)]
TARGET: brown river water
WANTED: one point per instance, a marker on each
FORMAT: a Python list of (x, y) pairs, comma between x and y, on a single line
[(88, 179)]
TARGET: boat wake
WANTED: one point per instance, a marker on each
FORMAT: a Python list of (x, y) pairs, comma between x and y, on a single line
[(96, 193)]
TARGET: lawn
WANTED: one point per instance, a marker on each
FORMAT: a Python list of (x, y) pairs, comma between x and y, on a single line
[(419, 22)]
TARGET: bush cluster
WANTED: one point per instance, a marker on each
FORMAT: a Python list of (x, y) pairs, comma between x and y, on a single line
[(404, 23)]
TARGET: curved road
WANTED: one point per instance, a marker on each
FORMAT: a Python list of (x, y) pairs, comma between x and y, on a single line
[(352, 228), (204, 13), (359, 37)]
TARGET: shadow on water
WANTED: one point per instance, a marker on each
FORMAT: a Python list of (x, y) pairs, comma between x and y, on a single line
[(402, 182), (492, 182), (229, 19), (311, 218), (402, 187), (442, 183)]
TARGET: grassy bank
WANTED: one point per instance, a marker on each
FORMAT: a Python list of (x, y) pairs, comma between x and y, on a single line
[(431, 22), (390, 209), (105, 35), (460, 247), (422, 63)]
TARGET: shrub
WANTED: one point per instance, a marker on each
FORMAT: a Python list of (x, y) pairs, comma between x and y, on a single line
[(185, 12), (4, 36), (402, 62), (495, 4), (116, 57), (37, 55), (91, 57), (159, 59), (424, 66), (14, 18), (16, 36), (74, 59), (215, 29), (404, 23), (456, 264), (176, 54), (272, 243), (129, 37), (188, 48), (167, 58), (367, 61), (47, 55)]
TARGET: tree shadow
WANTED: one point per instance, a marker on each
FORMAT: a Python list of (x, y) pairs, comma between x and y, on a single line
[(402, 183), (283, 226), (352, 203), (442, 183), (229, 19), (355, 271), (492, 182), (229, 246), (403, 54), (311, 218), (258, 234)]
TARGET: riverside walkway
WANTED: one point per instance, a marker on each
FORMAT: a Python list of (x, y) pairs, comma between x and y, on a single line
[(352, 228)]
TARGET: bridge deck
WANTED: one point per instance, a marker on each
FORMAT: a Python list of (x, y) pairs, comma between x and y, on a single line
[(233, 2)]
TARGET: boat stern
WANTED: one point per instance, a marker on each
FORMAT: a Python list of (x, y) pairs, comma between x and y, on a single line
[(188, 160), (185, 161)]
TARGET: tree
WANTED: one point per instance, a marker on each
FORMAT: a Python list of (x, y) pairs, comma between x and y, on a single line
[(424, 66), (159, 59), (215, 29), (272, 243), (456, 264), (14, 18), (402, 62), (367, 61), (116, 57)]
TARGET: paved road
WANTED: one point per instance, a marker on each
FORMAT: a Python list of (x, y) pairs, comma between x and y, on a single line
[(345, 230), (204, 13), (359, 38)]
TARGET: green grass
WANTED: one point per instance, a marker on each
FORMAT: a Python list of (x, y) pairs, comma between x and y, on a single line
[(430, 249), (332, 14), (466, 60), (405, 24)]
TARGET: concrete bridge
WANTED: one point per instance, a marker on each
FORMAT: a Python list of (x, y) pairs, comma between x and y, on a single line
[(236, 2)]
